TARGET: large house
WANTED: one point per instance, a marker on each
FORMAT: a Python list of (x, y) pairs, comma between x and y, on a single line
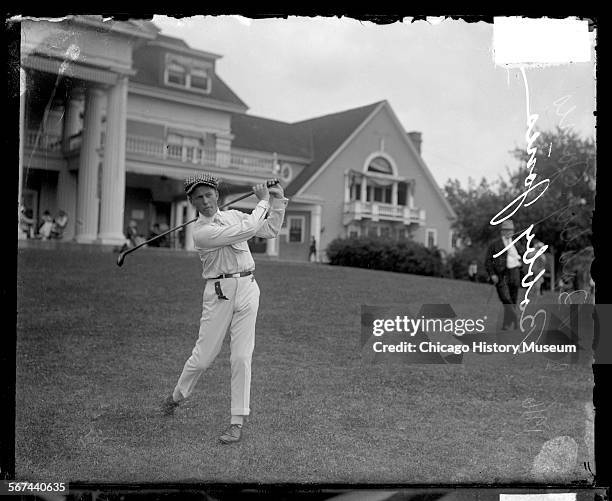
[(116, 115)]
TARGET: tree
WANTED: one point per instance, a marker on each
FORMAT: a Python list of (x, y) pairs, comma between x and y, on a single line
[(562, 216), (563, 213), (475, 206)]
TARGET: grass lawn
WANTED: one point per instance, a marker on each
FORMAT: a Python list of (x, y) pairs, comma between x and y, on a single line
[(98, 347)]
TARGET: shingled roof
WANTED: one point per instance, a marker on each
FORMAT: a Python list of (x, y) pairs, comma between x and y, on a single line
[(327, 134), (262, 134), (315, 139)]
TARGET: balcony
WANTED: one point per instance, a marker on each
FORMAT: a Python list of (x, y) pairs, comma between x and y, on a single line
[(42, 141), (377, 211), (147, 148), (207, 157)]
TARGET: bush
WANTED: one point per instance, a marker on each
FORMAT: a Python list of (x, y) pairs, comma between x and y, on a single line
[(385, 254), (461, 259)]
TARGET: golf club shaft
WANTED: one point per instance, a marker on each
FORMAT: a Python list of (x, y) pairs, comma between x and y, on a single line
[(242, 197)]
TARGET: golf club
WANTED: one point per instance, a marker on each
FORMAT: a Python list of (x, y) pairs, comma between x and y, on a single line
[(122, 255)]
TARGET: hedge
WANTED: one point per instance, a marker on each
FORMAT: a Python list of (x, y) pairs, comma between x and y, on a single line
[(403, 256)]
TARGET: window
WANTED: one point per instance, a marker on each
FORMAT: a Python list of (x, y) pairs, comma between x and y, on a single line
[(381, 166), (387, 194), (402, 194), (296, 229), (401, 234), (373, 231), (385, 232), (353, 231), (355, 187), (431, 238), (187, 73), (453, 239), (176, 75), (199, 79)]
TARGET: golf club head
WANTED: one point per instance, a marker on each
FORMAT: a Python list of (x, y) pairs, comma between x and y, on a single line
[(120, 259)]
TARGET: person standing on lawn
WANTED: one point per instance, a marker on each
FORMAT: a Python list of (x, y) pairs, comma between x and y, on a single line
[(505, 271), (231, 294)]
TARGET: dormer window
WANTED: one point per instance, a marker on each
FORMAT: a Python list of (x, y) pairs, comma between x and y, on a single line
[(176, 75), (200, 79), (187, 73)]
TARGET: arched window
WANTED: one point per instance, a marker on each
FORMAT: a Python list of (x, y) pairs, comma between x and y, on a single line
[(380, 165)]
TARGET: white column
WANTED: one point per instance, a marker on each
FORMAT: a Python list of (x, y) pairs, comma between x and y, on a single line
[(364, 188), (191, 213), (272, 247), (112, 192), (394, 194), (87, 193), (22, 102), (315, 228)]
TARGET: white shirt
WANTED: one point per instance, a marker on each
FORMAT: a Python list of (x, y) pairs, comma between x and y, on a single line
[(221, 240), (513, 260)]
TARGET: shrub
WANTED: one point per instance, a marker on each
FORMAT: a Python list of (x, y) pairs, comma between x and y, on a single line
[(385, 254)]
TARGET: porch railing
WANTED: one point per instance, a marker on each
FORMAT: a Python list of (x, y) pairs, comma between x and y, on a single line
[(46, 141), (154, 148)]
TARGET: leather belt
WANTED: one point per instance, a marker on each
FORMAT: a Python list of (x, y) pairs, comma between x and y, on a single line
[(234, 275)]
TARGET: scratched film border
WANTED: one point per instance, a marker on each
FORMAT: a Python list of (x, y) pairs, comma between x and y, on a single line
[(280, 489)]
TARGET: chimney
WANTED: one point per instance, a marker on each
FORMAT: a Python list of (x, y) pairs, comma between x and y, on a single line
[(416, 139)]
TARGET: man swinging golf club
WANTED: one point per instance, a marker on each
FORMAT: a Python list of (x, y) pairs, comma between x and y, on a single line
[(231, 294)]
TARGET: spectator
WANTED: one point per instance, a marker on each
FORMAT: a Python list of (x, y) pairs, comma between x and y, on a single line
[(505, 271), (47, 225), (26, 222), (59, 225), (312, 250), (132, 236), (472, 270)]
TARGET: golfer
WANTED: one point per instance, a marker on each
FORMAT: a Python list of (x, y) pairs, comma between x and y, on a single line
[(231, 294)]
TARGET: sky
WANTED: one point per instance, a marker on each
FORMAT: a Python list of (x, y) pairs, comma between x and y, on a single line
[(439, 77)]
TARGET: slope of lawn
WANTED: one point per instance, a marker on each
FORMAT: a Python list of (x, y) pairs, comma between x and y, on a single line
[(98, 347)]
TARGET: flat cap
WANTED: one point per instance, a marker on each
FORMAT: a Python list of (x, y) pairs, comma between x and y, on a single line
[(203, 178), (507, 225)]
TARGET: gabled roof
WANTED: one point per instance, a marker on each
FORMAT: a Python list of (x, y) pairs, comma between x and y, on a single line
[(327, 134), (315, 139)]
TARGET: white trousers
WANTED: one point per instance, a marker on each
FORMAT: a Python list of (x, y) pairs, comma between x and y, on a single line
[(237, 314)]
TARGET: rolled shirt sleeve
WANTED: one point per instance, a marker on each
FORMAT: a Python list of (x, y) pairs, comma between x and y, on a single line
[(272, 225), (211, 236)]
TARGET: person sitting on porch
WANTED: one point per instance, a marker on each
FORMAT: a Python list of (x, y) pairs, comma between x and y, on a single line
[(47, 225), (59, 225)]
